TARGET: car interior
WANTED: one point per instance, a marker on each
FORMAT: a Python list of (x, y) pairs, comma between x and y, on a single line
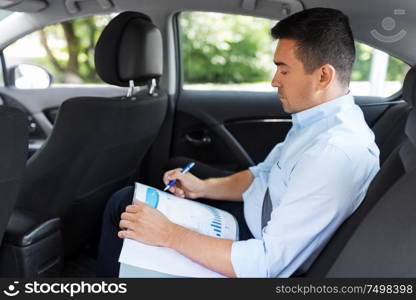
[(67, 148)]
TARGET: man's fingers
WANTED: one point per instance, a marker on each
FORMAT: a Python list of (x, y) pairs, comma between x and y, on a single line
[(139, 206), (176, 190), (170, 175), (125, 234), (125, 224), (166, 179), (174, 171), (135, 207), (179, 192), (128, 216)]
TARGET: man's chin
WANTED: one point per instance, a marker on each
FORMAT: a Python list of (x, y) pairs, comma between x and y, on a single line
[(286, 109)]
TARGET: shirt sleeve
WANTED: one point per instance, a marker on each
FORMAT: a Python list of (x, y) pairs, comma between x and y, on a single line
[(323, 188), (266, 165)]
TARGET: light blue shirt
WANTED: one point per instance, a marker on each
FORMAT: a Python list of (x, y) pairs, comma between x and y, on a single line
[(316, 177)]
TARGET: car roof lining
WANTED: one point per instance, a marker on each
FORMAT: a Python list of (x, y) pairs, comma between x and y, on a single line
[(364, 16), (24, 5)]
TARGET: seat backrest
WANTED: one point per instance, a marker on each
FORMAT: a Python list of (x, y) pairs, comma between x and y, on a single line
[(389, 129), (379, 239), (13, 156), (97, 144)]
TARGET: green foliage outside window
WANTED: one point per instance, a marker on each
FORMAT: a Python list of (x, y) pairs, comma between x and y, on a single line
[(216, 48), (70, 48), (396, 69), (221, 48), (225, 48)]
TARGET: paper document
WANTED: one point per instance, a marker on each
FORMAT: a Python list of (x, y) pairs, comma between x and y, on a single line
[(188, 213)]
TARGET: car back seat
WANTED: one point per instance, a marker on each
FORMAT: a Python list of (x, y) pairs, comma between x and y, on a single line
[(379, 239), (389, 129)]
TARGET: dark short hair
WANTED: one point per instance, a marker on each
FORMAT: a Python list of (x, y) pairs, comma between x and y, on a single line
[(323, 36)]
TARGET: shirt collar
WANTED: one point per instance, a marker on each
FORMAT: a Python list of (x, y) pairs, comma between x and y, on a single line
[(321, 111)]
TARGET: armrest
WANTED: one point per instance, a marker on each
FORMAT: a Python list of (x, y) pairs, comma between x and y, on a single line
[(32, 246), (26, 228)]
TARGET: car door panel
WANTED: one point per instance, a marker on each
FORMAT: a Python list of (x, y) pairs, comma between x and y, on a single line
[(234, 130), (247, 132), (214, 114)]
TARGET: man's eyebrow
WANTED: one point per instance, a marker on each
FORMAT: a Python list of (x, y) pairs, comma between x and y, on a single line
[(280, 63)]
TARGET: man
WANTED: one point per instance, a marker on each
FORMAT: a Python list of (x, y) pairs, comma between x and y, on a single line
[(308, 184)]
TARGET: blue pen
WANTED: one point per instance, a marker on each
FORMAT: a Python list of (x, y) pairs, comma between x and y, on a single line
[(184, 170)]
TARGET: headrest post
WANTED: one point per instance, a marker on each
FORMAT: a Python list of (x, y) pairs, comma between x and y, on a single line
[(152, 87), (130, 91)]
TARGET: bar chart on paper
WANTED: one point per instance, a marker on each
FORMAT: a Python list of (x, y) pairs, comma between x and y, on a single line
[(190, 214)]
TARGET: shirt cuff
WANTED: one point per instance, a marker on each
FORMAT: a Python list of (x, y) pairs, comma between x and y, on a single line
[(248, 258), (255, 170)]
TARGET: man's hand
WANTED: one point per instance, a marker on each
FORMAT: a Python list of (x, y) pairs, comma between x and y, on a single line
[(187, 185), (229, 188), (146, 225)]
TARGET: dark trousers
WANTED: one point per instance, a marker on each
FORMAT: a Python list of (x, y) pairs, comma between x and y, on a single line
[(110, 243)]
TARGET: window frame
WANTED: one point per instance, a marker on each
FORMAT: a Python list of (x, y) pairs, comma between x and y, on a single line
[(3, 67), (178, 55), (4, 60), (180, 59)]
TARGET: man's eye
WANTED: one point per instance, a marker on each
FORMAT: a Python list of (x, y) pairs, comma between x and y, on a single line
[(283, 72)]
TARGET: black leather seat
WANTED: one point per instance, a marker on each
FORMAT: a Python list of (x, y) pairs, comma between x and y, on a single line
[(97, 144), (13, 155), (389, 129), (379, 239)]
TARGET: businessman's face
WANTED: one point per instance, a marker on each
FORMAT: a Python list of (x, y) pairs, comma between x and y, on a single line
[(296, 89)]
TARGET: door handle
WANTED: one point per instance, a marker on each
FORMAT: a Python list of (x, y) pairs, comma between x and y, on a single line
[(200, 141)]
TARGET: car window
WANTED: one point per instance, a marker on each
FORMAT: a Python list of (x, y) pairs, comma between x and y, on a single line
[(226, 52), (65, 50), (375, 73), (233, 52), (4, 14)]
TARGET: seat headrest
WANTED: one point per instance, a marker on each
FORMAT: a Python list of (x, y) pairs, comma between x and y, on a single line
[(129, 48), (409, 87)]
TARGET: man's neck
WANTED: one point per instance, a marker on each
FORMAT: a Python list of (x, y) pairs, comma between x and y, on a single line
[(333, 94)]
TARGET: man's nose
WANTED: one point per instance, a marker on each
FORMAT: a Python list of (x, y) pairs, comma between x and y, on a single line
[(275, 81)]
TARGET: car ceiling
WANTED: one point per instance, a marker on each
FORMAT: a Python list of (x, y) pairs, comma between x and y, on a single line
[(365, 15)]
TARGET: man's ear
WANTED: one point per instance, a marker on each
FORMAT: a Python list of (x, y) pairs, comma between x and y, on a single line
[(326, 75)]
